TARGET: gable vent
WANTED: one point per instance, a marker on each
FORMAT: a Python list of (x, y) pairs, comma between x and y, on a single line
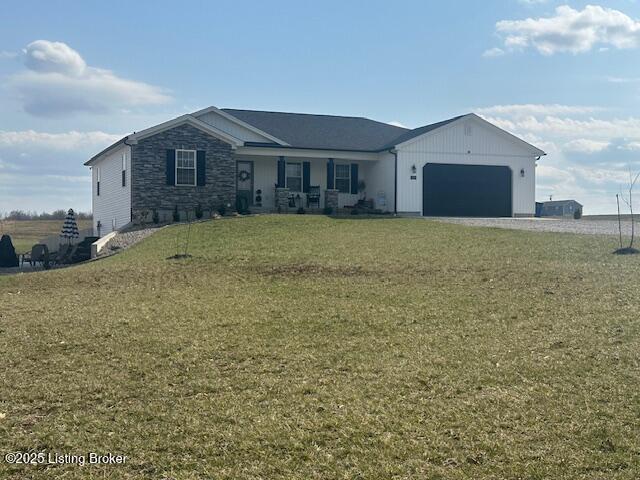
[(467, 130)]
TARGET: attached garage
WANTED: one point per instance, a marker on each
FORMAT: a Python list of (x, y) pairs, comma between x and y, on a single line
[(459, 190), (465, 167)]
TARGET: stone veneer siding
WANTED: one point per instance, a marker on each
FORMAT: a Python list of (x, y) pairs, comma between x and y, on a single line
[(149, 189), (331, 198), (282, 200)]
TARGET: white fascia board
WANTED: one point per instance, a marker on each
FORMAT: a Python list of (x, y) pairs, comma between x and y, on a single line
[(205, 127), (307, 153), (237, 121), (107, 151)]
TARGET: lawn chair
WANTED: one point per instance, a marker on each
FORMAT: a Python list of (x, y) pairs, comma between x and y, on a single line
[(58, 257), (67, 255), (313, 197), (39, 253), (25, 257)]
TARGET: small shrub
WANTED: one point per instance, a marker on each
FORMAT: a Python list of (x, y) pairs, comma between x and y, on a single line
[(156, 217), (176, 214), (222, 210), (577, 214), (199, 212), (355, 211), (327, 210), (301, 211)]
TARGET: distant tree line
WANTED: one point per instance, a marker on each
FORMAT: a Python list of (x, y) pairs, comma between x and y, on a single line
[(55, 215)]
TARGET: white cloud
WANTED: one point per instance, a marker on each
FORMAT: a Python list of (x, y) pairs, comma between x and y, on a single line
[(585, 145), (4, 165), (44, 171), (572, 31), (493, 52), (396, 123), (70, 178), (6, 54), (590, 151), (54, 57), (536, 109), (572, 128), (623, 79), (58, 81), (72, 140), (532, 2)]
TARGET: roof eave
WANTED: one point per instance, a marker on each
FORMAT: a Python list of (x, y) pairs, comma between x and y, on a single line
[(97, 156)]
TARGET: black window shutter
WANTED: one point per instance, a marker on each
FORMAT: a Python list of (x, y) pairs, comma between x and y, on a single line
[(330, 183), (281, 173), (201, 168), (306, 176), (171, 167), (354, 178)]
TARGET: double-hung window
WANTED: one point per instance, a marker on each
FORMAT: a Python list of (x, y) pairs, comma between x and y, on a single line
[(185, 167), (343, 178), (294, 177)]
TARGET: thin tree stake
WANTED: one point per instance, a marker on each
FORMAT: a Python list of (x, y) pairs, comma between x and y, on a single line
[(619, 221)]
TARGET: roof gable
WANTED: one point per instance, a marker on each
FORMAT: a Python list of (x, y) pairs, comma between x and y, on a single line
[(191, 120), (470, 118), (234, 126)]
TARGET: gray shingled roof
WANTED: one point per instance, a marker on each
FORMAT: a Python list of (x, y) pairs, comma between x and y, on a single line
[(329, 132), (302, 130)]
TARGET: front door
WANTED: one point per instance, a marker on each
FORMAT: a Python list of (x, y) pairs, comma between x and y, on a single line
[(244, 184)]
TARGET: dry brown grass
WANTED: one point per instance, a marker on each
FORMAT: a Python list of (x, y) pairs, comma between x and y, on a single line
[(26, 233)]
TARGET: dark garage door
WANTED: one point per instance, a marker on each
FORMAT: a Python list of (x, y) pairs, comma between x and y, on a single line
[(466, 190)]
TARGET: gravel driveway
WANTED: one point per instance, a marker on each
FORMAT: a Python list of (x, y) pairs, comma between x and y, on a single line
[(584, 226)]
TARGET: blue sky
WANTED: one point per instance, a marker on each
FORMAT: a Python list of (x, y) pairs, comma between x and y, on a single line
[(76, 76)]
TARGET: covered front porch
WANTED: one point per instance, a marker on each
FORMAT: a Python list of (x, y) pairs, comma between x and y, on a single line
[(284, 183)]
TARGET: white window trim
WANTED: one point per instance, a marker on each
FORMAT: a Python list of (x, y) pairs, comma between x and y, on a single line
[(286, 177), (195, 169), (335, 177)]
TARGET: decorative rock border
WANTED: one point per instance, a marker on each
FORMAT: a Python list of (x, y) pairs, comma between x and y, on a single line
[(123, 240)]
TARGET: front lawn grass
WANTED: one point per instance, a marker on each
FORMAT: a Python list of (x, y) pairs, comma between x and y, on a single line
[(311, 347)]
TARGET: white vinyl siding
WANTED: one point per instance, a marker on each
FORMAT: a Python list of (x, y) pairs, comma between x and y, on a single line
[(112, 208), (226, 125), (186, 167)]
